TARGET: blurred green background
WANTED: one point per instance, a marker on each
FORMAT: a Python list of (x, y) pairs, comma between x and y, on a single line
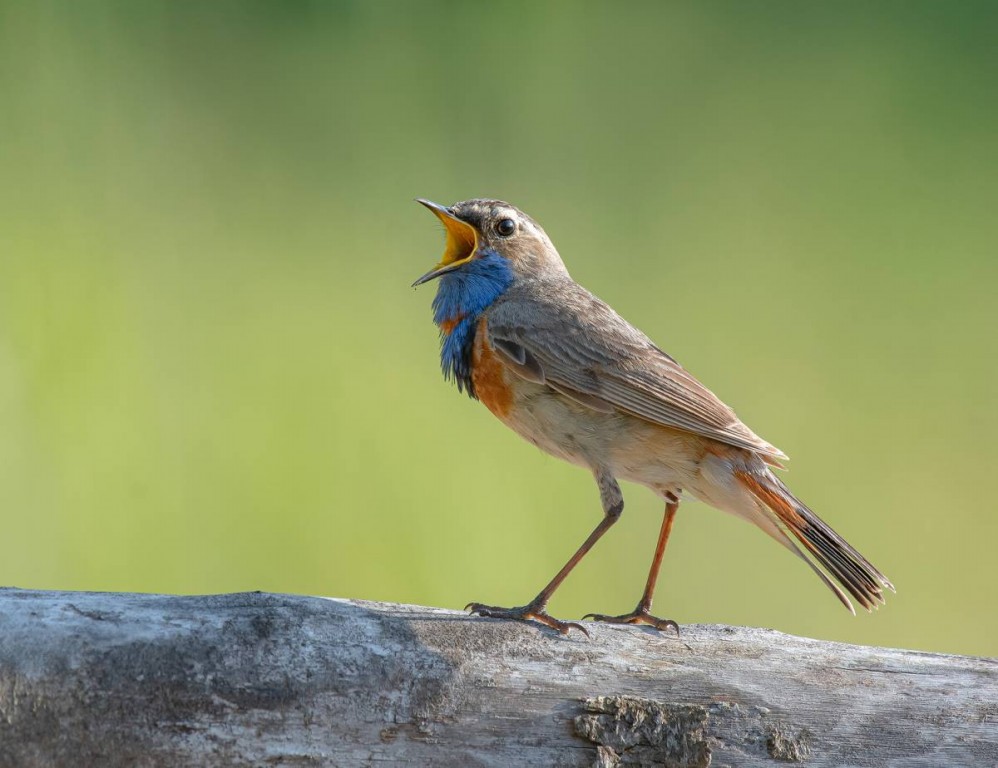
[(214, 375)]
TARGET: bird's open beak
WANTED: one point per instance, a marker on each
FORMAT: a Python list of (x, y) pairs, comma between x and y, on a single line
[(462, 242)]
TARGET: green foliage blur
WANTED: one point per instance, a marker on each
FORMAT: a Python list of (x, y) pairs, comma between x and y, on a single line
[(214, 375)]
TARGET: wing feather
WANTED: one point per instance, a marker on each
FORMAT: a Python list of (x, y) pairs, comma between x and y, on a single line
[(579, 346)]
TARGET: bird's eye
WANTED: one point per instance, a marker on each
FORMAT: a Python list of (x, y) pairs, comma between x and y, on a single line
[(506, 227)]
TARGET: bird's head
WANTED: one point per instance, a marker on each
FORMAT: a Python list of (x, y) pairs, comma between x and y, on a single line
[(486, 236)]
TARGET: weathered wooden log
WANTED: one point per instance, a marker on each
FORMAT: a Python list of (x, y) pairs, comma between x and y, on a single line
[(89, 679)]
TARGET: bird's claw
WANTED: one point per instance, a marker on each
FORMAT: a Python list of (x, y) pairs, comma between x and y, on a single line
[(525, 613), (637, 616)]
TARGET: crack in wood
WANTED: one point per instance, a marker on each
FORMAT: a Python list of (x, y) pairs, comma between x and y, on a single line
[(782, 743), (633, 731)]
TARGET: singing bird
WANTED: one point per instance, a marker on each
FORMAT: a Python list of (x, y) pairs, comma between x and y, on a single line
[(567, 373)]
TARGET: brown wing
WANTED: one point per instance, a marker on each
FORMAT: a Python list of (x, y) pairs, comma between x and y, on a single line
[(579, 346)]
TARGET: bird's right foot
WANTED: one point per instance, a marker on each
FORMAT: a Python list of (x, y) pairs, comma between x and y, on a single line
[(637, 616), (528, 613)]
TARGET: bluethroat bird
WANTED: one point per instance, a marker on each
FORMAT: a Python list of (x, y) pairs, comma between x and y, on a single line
[(571, 376)]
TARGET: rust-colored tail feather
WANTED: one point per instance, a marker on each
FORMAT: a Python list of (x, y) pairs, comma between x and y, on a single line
[(853, 571)]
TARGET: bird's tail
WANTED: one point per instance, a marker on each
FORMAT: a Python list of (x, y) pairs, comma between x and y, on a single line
[(833, 553)]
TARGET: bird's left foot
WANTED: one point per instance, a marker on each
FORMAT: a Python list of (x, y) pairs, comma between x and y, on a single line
[(637, 616), (528, 613)]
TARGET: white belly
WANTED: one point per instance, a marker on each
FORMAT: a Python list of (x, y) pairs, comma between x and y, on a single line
[(660, 458)]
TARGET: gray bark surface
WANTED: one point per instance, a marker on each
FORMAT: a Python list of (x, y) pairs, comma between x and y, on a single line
[(90, 679)]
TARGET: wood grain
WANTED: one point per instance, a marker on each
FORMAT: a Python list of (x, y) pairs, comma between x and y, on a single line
[(280, 680)]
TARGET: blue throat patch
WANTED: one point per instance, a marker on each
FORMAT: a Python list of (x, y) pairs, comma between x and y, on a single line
[(462, 296)]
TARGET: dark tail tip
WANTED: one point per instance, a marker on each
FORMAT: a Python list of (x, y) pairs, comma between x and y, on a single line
[(839, 558)]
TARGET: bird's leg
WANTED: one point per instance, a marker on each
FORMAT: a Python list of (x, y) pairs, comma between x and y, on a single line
[(642, 614), (613, 506)]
